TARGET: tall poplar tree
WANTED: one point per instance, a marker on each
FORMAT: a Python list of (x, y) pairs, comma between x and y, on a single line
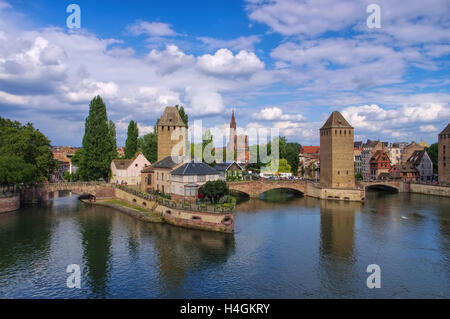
[(112, 135), (131, 144), (96, 156)]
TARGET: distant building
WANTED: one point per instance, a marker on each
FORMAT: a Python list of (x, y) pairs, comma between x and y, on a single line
[(309, 161), (187, 179), (395, 152), (121, 151), (229, 170), (336, 153), (423, 143), (357, 155), (443, 155), (238, 144), (405, 172), (167, 139), (422, 162), (368, 149), (64, 156), (379, 164), (409, 150), (128, 170)]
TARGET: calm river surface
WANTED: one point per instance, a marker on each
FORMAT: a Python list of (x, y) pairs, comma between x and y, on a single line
[(283, 247)]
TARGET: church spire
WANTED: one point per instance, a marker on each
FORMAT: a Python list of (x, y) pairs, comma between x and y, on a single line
[(233, 120)]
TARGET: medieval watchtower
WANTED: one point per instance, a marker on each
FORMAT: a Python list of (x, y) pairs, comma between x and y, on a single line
[(336, 153), (167, 139)]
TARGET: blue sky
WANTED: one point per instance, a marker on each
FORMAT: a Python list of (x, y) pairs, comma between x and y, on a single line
[(282, 64)]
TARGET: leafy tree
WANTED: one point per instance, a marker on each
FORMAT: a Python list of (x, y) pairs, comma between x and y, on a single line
[(358, 176), (183, 115), (214, 190), (26, 154), (292, 151), (113, 142), (433, 153), (148, 145), (131, 144), (283, 166), (95, 158)]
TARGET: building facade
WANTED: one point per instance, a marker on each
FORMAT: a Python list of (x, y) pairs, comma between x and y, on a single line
[(368, 149), (423, 164), (128, 171), (187, 179), (379, 164), (409, 150), (230, 171), (157, 177), (336, 153), (443, 155), (171, 134)]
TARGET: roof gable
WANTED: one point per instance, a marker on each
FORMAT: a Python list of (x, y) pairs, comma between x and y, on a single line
[(336, 120)]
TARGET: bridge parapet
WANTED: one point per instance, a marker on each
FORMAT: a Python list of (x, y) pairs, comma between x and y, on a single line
[(256, 188)]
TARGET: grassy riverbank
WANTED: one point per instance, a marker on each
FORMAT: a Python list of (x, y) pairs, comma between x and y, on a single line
[(130, 209)]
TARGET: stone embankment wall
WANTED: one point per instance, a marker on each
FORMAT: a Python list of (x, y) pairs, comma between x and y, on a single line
[(223, 222), (9, 203), (430, 189)]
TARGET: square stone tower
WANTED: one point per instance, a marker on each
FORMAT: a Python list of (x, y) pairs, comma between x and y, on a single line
[(443, 155), (167, 139), (337, 168)]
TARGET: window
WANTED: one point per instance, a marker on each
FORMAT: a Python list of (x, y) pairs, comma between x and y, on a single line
[(149, 179), (191, 179), (201, 178)]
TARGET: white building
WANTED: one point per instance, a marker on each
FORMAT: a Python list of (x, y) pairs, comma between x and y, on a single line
[(128, 170)]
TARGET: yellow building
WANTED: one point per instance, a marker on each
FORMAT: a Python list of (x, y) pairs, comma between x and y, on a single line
[(169, 138), (336, 153), (443, 155)]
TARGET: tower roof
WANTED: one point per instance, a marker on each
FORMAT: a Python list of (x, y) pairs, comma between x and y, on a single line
[(336, 120), (171, 116), (446, 130)]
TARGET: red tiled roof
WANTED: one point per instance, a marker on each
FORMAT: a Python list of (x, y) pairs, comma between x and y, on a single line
[(309, 149)]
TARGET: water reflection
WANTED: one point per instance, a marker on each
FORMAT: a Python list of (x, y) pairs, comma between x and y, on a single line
[(95, 229), (183, 251)]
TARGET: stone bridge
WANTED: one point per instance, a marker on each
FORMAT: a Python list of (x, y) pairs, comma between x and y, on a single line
[(256, 188), (43, 192)]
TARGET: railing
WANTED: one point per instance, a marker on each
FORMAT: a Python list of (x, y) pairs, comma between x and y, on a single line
[(200, 207)]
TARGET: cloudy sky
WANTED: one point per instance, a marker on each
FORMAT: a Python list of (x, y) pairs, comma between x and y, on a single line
[(285, 64)]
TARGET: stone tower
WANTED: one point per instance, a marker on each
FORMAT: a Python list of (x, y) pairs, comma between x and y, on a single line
[(443, 155), (169, 122), (336, 153), (232, 143)]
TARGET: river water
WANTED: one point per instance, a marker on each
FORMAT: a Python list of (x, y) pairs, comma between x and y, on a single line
[(283, 247)]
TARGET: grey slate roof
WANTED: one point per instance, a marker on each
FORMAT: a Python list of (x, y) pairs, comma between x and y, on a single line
[(167, 162), (222, 167), (416, 157), (193, 168), (446, 130)]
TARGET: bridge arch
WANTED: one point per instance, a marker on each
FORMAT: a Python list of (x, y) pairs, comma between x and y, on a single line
[(383, 187), (291, 189)]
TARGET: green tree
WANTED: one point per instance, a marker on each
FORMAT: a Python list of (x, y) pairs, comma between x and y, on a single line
[(183, 115), (148, 145), (283, 166), (292, 151), (131, 144), (433, 153), (214, 190), (112, 136), (95, 158), (26, 153)]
